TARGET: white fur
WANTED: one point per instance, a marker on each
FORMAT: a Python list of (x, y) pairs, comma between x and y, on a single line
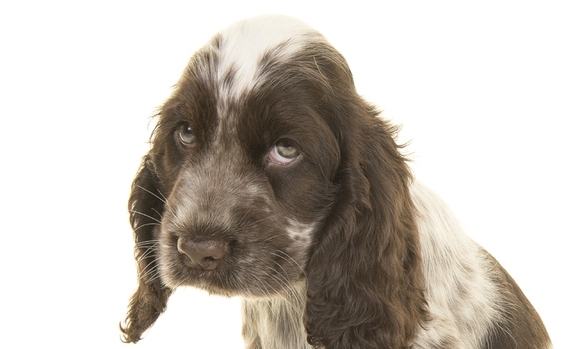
[(277, 322), (245, 43), (299, 231), (462, 300)]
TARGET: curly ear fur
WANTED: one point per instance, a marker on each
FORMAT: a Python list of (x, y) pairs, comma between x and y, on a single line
[(145, 206), (365, 281)]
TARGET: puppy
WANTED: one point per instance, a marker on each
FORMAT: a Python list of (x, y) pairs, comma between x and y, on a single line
[(271, 179)]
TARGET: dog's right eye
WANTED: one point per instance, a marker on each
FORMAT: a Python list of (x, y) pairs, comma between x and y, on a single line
[(185, 135)]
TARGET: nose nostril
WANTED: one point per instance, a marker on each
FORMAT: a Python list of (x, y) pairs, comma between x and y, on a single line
[(205, 254)]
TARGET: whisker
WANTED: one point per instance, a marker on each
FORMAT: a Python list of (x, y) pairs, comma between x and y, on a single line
[(145, 225), (145, 215), (147, 253), (159, 214), (161, 197), (265, 240), (287, 257), (149, 272), (265, 291), (155, 273), (288, 286), (146, 243), (170, 211), (275, 292), (285, 286)]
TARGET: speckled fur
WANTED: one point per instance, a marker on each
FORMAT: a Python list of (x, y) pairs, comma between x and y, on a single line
[(338, 248)]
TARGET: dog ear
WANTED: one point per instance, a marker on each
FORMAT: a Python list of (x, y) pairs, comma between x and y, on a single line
[(364, 280), (146, 205)]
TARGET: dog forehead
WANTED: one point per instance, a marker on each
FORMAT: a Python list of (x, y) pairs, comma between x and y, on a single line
[(243, 45)]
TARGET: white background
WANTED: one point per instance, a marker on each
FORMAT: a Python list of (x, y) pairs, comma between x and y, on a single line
[(491, 96)]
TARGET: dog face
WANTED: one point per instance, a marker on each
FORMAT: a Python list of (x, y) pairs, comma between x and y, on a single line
[(246, 152)]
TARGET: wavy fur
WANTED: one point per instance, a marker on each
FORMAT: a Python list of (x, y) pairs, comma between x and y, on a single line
[(271, 179)]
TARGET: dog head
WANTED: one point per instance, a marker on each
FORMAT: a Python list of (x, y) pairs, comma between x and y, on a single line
[(268, 169)]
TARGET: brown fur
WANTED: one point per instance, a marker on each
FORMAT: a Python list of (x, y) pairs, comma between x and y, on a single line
[(338, 220), (521, 326)]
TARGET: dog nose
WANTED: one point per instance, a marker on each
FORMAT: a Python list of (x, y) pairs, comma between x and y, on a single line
[(205, 254)]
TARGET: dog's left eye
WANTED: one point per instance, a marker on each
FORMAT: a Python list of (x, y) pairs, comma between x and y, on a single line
[(283, 154)]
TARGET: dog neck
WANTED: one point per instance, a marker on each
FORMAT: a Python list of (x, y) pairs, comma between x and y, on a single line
[(276, 322)]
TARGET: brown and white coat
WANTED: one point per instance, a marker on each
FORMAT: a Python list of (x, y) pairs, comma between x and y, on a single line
[(271, 179)]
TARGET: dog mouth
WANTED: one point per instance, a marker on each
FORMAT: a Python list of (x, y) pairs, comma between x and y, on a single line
[(231, 269)]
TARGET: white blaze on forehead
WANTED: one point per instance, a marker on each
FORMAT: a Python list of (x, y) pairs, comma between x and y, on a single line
[(243, 45)]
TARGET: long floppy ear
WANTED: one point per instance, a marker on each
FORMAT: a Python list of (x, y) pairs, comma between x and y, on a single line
[(365, 286), (146, 206)]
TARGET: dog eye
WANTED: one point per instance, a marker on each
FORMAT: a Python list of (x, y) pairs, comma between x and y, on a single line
[(185, 135), (283, 154)]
